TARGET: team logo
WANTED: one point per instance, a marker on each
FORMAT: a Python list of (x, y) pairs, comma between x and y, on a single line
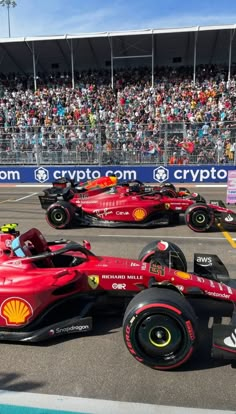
[(16, 311), (161, 174), (41, 174), (93, 281), (183, 275), (139, 214), (167, 206)]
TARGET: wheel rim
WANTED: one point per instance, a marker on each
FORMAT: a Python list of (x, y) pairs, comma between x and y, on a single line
[(199, 218), (58, 216), (160, 335)]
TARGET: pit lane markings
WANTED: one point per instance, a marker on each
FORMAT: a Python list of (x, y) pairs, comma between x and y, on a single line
[(227, 235)]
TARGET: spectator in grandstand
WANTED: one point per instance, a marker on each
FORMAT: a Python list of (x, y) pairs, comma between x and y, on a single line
[(124, 122)]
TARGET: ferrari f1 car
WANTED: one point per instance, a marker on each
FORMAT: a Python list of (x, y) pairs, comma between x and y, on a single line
[(132, 204), (63, 188), (49, 289)]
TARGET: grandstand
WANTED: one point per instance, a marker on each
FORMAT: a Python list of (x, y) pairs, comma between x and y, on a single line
[(151, 96)]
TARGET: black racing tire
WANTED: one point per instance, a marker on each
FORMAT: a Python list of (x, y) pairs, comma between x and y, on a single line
[(60, 215), (199, 217), (152, 254), (160, 328)]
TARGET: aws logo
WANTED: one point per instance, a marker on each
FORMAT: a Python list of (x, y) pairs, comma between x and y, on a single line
[(204, 261)]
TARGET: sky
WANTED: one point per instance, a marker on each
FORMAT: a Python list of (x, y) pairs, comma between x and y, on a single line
[(58, 17)]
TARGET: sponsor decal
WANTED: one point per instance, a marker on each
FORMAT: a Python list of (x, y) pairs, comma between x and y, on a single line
[(231, 340), (157, 269), (162, 245), (69, 329), (139, 214), (41, 175), (16, 311), (13, 263), (144, 266), (128, 277), (161, 174), (103, 213), (119, 286), (183, 275), (167, 206), (190, 330), (229, 218), (229, 289), (218, 295), (134, 264), (180, 287), (204, 261), (93, 281), (201, 279), (8, 242), (122, 213)]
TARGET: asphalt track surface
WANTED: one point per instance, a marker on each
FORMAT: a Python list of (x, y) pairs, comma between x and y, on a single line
[(98, 365)]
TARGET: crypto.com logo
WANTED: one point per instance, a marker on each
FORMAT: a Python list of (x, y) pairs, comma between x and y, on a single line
[(161, 174), (41, 175)]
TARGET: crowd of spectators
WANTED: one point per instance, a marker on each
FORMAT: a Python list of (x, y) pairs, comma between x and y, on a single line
[(175, 121)]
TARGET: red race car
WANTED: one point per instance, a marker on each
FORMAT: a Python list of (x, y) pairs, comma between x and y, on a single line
[(63, 189), (133, 204), (51, 289)]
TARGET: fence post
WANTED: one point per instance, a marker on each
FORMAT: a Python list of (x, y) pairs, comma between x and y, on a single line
[(165, 145), (37, 146)]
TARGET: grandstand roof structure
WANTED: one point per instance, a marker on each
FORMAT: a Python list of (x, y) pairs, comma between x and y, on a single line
[(188, 46)]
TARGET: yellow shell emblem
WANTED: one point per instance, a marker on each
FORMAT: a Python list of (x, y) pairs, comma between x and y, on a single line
[(16, 311), (183, 275), (93, 281), (139, 214)]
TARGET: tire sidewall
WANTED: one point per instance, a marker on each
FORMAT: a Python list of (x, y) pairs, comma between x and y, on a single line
[(209, 218), (65, 210), (183, 315)]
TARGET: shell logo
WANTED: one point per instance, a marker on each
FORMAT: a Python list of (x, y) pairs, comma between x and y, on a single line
[(183, 275), (139, 214), (16, 311)]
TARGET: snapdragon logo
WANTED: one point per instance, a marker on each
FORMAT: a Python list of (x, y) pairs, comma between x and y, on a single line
[(161, 174), (89, 174), (41, 175), (200, 174)]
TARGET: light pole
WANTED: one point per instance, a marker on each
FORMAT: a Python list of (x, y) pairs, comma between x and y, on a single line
[(8, 4)]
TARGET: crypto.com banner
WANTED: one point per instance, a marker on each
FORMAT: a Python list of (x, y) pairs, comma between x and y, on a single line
[(150, 174)]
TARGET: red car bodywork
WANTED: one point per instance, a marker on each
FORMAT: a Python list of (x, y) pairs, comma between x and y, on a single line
[(28, 287), (40, 280)]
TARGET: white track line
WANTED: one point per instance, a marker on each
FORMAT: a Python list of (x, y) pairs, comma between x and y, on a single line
[(23, 198), (162, 237)]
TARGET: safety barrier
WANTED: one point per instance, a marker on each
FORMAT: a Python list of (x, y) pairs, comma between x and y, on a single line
[(151, 174)]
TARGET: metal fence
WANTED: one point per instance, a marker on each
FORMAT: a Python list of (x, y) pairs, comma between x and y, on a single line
[(102, 144)]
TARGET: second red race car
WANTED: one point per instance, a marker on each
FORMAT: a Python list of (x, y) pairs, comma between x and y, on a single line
[(52, 289), (133, 204)]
